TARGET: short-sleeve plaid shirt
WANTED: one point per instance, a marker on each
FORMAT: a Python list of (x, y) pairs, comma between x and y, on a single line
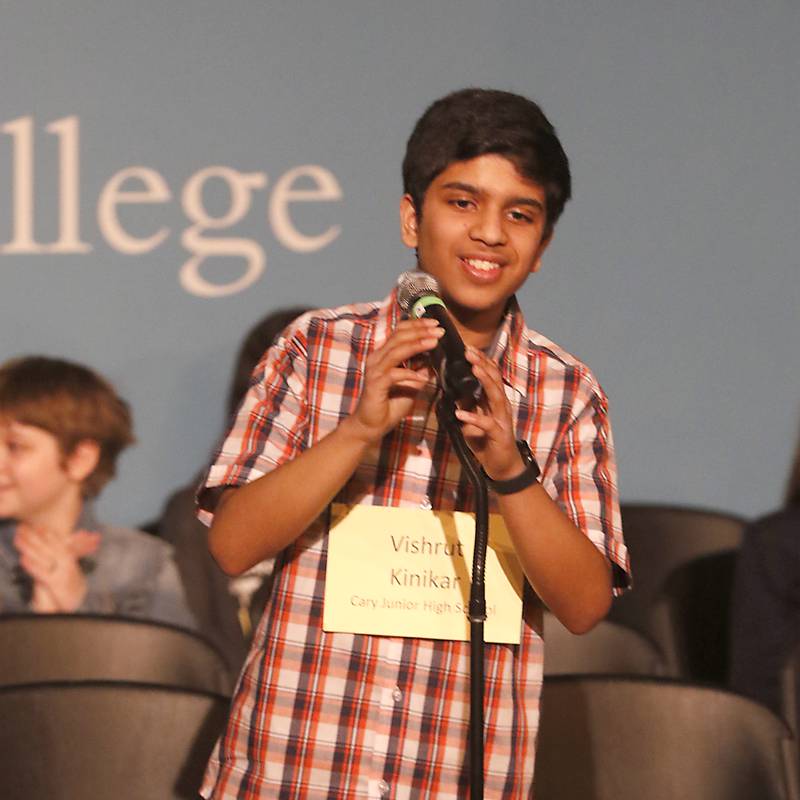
[(333, 715)]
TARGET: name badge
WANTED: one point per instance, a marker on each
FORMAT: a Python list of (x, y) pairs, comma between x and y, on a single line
[(406, 572)]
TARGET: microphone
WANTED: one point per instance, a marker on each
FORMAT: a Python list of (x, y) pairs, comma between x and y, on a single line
[(418, 295)]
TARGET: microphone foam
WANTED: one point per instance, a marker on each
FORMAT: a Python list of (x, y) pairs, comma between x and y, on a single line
[(412, 285)]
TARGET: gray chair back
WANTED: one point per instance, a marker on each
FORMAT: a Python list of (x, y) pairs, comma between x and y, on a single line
[(690, 618), (633, 738), (72, 647), (609, 648), (102, 740), (660, 538)]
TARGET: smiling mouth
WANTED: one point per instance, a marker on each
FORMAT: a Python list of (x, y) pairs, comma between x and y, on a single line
[(481, 264), (480, 269)]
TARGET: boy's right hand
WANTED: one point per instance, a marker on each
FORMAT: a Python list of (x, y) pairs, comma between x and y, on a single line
[(389, 386)]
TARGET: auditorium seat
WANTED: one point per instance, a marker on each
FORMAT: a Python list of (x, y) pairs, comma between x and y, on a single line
[(609, 648), (72, 647), (603, 738), (690, 618), (105, 741), (660, 538)]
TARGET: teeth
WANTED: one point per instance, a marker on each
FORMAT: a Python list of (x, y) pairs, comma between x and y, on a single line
[(483, 266)]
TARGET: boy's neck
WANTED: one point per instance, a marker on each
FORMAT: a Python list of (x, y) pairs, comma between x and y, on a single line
[(477, 329), (60, 518)]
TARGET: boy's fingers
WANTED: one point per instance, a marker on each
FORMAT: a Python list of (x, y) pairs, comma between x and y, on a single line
[(402, 376), (473, 421), (28, 541), (490, 378), (84, 543), (37, 566), (403, 349)]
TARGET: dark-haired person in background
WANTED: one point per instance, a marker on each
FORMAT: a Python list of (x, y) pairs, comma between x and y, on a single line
[(226, 609), (339, 412), (765, 608), (62, 428)]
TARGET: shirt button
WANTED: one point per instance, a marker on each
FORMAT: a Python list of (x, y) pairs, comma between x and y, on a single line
[(425, 505), (383, 788), (397, 695)]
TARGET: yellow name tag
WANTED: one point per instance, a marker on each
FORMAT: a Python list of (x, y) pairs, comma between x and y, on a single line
[(406, 572)]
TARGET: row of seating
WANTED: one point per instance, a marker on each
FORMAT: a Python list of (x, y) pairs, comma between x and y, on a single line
[(601, 738), (144, 693)]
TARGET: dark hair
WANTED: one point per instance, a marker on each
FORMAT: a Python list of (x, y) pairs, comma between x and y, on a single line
[(73, 404), (475, 122), (255, 343)]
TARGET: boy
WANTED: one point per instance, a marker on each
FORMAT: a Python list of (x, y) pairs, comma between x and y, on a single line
[(338, 412), (61, 430)]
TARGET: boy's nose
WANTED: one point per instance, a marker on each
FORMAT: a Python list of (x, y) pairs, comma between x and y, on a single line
[(488, 228)]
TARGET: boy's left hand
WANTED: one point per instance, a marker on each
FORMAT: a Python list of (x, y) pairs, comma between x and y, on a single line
[(489, 429)]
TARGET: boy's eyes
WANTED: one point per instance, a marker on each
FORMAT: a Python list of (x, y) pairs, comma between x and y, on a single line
[(514, 214), (520, 216)]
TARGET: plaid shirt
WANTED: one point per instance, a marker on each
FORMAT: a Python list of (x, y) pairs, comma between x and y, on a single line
[(333, 715)]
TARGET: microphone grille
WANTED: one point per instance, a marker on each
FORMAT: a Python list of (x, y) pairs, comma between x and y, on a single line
[(412, 285)]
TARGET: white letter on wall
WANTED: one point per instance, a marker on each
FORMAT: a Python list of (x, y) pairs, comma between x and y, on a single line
[(326, 188), (240, 186), (155, 191), (68, 132)]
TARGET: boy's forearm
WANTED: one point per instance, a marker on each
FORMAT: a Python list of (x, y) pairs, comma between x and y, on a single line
[(258, 520), (563, 566)]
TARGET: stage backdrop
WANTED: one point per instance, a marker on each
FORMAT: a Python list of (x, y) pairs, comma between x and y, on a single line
[(170, 172)]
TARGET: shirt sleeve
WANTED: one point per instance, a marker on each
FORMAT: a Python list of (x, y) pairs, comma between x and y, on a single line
[(270, 427), (584, 480)]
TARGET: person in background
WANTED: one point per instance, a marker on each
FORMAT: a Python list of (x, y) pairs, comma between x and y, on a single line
[(62, 427), (765, 607), (226, 609)]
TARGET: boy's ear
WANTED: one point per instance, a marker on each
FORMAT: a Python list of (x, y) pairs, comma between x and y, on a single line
[(408, 221), (537, 262), (83, 459)]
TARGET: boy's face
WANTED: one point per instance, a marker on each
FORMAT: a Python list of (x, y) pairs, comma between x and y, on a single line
[(36, 480), (480, 234)]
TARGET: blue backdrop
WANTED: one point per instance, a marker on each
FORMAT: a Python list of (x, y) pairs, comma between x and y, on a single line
[(169, 172)]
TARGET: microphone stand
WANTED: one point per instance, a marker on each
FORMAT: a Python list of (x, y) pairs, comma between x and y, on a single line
[(445, 411)]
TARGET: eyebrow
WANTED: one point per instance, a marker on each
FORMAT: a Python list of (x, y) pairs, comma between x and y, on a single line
[(515, 201)]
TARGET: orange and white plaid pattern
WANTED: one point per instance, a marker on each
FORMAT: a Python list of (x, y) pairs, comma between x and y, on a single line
[(332, 715)]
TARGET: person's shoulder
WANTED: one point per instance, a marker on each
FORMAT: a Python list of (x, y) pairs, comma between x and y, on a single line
[(545, 357), (129, 543), (318, 330), (344, 315)]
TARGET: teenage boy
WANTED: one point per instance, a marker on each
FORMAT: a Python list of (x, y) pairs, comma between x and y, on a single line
[(61, 429), (340, 409)]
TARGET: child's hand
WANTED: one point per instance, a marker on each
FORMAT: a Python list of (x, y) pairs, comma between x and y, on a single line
[(84, 543), (390, 387), (489, 429), (52, 562)]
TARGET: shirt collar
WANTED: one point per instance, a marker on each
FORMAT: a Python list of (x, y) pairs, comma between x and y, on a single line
[(506, 345)]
